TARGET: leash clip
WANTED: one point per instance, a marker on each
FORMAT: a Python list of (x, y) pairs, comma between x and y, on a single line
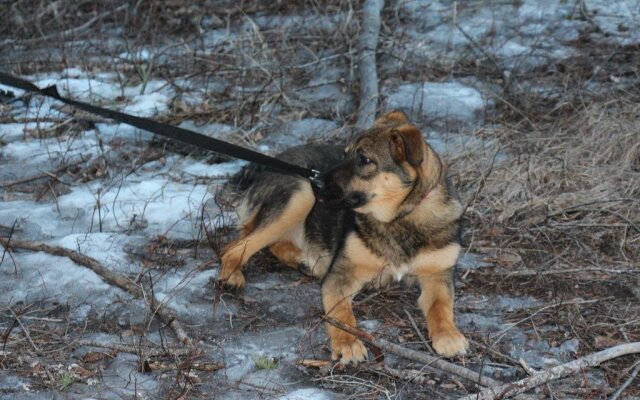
[(316, 179)]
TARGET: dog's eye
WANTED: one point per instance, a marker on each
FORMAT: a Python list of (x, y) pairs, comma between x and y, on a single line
[(362, 160)]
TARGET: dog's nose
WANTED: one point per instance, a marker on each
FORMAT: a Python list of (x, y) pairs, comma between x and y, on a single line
[(355, 199)]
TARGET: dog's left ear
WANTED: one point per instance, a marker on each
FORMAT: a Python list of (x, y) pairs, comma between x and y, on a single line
[(405, 144), (392, 117)]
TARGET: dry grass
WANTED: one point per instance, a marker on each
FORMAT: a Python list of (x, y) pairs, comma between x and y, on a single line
[(570, 188)]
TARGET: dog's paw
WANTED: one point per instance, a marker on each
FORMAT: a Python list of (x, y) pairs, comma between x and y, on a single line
[(449, 343), (349, 350), (235, 281)]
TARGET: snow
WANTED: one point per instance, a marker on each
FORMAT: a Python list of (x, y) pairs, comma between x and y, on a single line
[(203, 170), (147, 105), (13, 131), (167, 207), (39, 276), (307, 394), (214, 129), (618, 19), (52, 150), (123, 131), (436, 100), (299, 132), (106, 247)]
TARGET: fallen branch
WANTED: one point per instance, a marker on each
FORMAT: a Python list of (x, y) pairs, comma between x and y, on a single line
[(561, 371), (133, 348), (410, 375), (415, 355), (162, 310), (44, 174), (367, 44), (626, 384)]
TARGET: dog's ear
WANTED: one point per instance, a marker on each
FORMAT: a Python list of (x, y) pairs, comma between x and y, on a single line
[(405, 144), (392, 117)]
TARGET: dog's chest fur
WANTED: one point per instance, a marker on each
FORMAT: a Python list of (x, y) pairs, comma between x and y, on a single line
[(399, 242), (396, 243)]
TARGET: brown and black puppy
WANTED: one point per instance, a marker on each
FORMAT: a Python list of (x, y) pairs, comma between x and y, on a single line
[(397, 216)]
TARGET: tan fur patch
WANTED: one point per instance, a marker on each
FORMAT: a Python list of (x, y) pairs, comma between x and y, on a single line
[(386, 192), (392, 117), (436, 209), (237, 253), (428, 261), (288, 253), (436, 303), (366, 265)]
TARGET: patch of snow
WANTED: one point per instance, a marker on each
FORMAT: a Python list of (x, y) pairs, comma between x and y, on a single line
[(147, 105), (111, 131), (165, 207), (203, 170), (124, 379), (422, 12), (14, 131), (306, 22), (42, 151), (308, 394), (568, 347), (107, 248), (142, 54), (82, 88), (542, 11), (466, 260), (620, 20), (435, 100), (370, 325), (299, 132), (214, 130), (325, 92), (40, 276), (456, 144)]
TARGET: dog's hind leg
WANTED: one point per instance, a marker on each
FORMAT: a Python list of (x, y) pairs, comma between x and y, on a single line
[(287, 253), (260, 234)]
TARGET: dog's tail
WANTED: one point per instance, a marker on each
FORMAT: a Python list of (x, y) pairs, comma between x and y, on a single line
[(236, 187)]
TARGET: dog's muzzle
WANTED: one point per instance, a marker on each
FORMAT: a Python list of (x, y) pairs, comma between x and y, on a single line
[(355, 199)]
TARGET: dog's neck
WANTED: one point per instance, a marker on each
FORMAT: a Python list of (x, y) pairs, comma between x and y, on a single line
[(428, 223)]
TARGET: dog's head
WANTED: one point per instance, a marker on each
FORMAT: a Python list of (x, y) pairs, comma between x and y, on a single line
[(388, 169)]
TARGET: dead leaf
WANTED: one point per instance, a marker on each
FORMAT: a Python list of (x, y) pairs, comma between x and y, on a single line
[(314, 363), (93, 357)]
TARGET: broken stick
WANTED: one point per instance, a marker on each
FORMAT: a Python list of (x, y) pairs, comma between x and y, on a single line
[(561, 371), (367, 44), (162, 310), (415, 355)]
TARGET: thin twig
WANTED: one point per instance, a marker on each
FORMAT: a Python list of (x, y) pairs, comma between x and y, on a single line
[(419, 332), (561, 371), (133, 348), (626, 384), (162, 310), (24, 329), (69, 32)]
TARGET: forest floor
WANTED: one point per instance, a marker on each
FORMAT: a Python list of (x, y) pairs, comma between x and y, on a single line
[(534, 106)]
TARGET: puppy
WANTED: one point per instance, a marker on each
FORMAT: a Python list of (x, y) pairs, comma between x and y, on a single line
[(388, 212)]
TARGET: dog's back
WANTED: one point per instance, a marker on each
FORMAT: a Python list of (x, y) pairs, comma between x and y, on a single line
[(260, 184)]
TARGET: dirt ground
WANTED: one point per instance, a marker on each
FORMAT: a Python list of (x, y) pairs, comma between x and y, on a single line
[(534, 106)]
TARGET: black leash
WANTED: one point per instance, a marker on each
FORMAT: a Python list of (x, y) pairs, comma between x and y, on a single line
[(172, 132)]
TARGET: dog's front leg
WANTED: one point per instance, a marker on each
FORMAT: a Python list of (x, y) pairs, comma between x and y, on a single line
[(436, 302), (338, 290)]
